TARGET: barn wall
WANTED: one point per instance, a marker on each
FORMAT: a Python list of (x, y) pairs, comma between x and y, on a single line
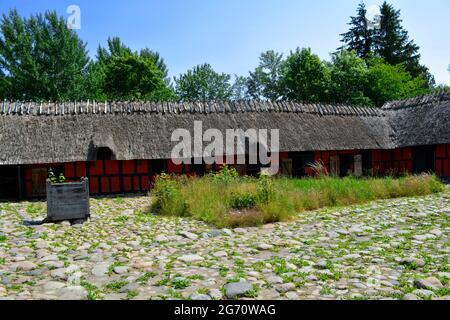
[(443, 160), (132, 176), (392, 161)]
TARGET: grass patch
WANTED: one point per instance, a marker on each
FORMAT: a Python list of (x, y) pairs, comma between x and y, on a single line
[(115, 286), (227, 200)]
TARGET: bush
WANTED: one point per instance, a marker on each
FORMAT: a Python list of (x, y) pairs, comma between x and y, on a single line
[(241, 200), (168, 199)]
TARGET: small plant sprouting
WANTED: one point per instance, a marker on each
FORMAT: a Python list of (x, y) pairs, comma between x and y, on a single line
[(56, 179)]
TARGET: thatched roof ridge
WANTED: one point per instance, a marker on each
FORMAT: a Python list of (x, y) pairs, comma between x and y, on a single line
[(433, 98), (71, 131), (125, 107)]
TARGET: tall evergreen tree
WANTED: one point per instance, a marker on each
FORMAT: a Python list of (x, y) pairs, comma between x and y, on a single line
[(392, 43), (42, 58), (360, 37)]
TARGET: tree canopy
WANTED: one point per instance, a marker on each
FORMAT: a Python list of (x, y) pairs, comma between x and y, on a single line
[(41, 58), (202, 83), (388, 40)]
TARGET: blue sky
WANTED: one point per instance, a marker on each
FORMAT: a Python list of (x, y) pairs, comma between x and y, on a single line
[(231, 34)]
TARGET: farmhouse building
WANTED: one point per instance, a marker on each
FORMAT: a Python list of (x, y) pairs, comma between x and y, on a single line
[(120, 147)]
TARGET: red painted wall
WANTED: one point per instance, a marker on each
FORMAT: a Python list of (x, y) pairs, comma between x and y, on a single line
[(392, 161), (443, 160), (111, 176)]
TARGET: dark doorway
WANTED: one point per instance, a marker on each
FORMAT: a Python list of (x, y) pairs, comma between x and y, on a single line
[(423, 159), (198, 169), (300, 160), (9, 182), (157, 166), (104, 153), (346, 163), (252, 168)]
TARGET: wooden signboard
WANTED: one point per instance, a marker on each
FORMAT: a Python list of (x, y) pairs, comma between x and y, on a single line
[(68, 201)]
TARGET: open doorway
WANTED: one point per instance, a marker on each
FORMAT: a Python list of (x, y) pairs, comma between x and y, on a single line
[(9, 182), (423, 159)]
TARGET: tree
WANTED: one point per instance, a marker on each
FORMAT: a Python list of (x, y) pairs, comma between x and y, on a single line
[(360, 37), (391, 42), (239, 89), (158, 61), (120, 73), (348, 78), (264, 82), (42, 58), (202, 83), (387, 82), (305, 77), (130, 77)]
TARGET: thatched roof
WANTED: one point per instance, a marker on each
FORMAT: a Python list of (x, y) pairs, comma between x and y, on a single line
[(50, 133), (420, 121)]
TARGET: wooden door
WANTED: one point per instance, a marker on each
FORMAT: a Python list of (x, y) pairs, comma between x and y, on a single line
[(38, 178)]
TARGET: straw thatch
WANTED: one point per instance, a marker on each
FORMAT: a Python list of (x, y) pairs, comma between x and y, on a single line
[(65, 132)]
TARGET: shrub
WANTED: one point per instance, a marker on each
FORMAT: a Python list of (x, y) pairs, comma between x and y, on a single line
[(226, 174), (168, 199), (242, 200), (265, 189)]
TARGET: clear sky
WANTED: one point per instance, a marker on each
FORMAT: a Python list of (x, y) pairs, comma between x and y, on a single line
[(230, 34)]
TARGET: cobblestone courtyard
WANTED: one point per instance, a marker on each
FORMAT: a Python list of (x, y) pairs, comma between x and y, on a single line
[(395, 249)]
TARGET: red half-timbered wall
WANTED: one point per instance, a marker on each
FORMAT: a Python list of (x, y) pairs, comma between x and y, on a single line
[(134, 176), (392, 161), (443, 160)]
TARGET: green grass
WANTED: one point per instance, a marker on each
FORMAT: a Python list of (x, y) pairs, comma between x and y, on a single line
[(35, 210), (226, 200)]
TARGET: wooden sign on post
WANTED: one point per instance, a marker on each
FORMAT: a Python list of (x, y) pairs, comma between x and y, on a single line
[(68, 201)]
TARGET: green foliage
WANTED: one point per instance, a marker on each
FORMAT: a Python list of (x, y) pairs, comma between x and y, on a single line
[(121, 74), (44, 60), (239, 89), (359, 38), (180, 283), (305, 77), (130, 77), (349, 78), (56, 179), (225, 174), (167, 195), (277, 199), (264, 82), (242, 200), (265, 189), (388, 82), (389, 41), (202, 83)]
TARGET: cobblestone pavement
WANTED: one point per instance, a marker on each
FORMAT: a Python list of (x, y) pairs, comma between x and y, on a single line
[(394, 249)]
